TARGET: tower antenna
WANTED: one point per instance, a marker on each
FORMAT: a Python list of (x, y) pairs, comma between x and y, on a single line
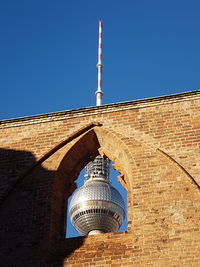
[(99, 65)]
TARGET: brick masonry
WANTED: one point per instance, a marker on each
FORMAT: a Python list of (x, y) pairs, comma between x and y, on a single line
[(155, 144)]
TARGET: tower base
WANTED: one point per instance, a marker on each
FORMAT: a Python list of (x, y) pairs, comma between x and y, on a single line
[(95, 232)]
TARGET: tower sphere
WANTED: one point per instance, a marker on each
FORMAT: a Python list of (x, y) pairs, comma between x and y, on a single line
[(97, 207)]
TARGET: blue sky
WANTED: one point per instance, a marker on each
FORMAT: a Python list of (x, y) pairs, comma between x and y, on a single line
[(48, 52)]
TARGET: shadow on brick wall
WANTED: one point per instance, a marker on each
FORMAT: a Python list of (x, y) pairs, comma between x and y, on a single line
[(25, 204)]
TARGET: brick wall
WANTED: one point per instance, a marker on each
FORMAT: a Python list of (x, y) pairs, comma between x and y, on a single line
[(155, 144)]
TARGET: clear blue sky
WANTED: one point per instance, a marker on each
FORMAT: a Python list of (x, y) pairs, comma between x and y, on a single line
[(48, 52)]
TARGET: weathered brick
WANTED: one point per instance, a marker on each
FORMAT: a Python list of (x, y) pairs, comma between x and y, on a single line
[(155, 146)]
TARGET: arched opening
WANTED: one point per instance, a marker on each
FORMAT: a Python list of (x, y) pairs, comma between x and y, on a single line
[(104, 142), (78, 153)]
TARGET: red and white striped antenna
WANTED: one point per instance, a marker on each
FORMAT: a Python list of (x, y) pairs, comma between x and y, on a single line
[(99, 65)]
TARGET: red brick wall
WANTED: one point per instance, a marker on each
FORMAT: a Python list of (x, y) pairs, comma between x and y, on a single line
[(155, 146)]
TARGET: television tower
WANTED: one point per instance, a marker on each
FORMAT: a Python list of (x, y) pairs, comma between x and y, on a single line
[(97, 207)]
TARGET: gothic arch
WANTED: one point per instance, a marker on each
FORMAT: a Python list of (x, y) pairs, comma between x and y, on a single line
[(71, 158), (74, 156)]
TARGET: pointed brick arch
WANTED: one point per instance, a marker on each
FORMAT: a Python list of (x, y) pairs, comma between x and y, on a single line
[(83, 149), (75, 156)]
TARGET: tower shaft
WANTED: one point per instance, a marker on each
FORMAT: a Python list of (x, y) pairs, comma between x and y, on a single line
[(99, 65)]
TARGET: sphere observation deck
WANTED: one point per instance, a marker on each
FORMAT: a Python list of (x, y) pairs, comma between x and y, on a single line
[(97, 207)]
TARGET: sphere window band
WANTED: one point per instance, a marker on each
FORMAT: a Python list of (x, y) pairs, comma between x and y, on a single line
[(105, 211), (104, 204)]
